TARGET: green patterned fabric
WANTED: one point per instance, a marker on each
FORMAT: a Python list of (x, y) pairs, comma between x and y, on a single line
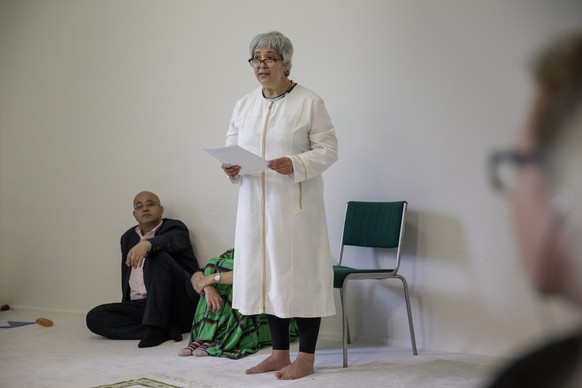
[(229, 333)]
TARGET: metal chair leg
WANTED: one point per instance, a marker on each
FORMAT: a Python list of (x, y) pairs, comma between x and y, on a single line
[(409, 310), (347, 322), (345, 328)]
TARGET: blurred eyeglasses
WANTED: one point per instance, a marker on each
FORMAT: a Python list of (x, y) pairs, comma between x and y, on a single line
[(269, 62), (504, 166), (148, 204)]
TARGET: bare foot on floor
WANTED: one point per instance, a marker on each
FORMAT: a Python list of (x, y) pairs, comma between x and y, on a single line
[(301, 367), (277, 360)]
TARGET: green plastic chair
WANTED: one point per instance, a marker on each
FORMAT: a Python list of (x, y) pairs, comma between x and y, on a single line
[(371, 225)]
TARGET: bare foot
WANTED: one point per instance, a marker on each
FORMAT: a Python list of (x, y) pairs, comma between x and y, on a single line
[(277, 360), (301, 367)]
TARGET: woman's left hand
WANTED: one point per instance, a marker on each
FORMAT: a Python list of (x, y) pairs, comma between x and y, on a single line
[(282, 165), (213, 299)]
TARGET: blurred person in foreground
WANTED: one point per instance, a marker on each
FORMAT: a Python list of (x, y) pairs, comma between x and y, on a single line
[(546, 201)]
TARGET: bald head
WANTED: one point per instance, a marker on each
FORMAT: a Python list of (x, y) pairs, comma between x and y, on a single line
[(146, 194), (147, 210)]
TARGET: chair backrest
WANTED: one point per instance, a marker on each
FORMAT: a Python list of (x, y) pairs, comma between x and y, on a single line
[(374, 225)]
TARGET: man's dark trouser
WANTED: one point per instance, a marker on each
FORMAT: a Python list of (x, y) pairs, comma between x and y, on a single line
[(171, 301)]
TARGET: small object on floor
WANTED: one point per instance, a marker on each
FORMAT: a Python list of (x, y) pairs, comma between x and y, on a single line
[(5, 307), (44, 322), (143, 382), (10, 324)]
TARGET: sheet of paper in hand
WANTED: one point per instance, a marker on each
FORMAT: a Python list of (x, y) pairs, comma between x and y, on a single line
[(236, 155)]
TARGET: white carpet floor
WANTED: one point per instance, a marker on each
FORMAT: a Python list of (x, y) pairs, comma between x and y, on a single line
[(69, 355)]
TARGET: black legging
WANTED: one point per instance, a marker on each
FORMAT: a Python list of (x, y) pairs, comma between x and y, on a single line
[(308, 330)]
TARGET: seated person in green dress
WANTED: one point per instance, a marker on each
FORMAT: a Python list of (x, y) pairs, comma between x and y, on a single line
[(217, 329)]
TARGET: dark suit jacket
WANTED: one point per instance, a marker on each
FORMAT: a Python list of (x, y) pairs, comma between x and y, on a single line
[(172, 237)]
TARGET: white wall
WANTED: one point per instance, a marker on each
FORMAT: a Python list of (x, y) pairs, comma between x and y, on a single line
[(101, 99)]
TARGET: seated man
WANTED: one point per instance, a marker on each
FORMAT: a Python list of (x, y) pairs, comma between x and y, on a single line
[(157, 262)]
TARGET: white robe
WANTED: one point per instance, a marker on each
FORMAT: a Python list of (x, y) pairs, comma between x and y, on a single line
[(282, 262)]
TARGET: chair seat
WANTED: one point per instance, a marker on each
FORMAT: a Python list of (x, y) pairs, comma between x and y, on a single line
[(340, 272)]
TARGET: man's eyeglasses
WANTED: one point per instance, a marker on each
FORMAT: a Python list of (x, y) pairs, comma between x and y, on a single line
[(148, 204), (504, 166), (269, 62)]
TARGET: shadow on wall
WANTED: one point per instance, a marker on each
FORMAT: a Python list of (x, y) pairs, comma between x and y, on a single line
[(443, 289), (434, 247)]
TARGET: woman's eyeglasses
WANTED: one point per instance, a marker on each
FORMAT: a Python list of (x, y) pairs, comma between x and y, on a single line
[(269, 62)]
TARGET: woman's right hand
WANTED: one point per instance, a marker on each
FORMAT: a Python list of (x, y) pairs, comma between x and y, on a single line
[(198, 281), (231, 170)]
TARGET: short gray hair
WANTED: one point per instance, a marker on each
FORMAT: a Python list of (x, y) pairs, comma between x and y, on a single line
[(278, 42)]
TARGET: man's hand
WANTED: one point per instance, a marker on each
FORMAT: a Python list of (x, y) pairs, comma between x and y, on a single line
[(136, 254)]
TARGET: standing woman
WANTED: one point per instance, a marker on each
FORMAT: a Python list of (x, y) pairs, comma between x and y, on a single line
[(283, 262)]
